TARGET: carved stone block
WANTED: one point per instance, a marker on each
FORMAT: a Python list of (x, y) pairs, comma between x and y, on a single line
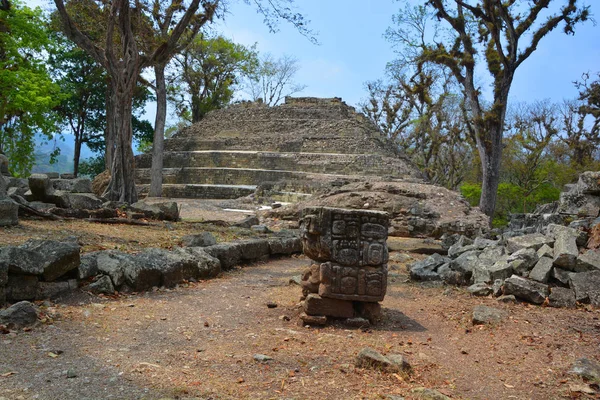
[(317, 305), (351, 246)]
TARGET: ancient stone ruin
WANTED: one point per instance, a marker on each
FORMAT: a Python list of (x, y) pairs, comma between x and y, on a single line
[(348, 278), (291, 151), (550, 257)]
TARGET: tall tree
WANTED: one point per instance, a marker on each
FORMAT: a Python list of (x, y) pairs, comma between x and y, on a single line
[(83, 85), (27, 94), (501, 35), (206, 73), (124, 55), (274, 79)]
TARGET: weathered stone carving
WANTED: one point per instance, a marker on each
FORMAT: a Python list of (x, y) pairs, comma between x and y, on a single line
[(350, 246)]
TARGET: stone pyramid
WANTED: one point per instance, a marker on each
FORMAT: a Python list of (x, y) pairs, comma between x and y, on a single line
[(295, 149)]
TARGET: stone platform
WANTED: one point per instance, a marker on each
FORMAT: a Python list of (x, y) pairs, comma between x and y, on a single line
[(303, 145)]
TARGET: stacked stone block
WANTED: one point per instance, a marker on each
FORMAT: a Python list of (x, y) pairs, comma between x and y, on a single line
[(348, 278)]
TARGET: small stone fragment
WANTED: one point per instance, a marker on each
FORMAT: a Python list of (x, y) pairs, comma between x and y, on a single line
[(313, 319), (487, 315), (357, 322), (429, 394), (262, 358), (480, 289), (507, 299), (370, 358)]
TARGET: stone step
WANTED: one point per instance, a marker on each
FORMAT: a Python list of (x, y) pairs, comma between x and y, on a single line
[(328, 163), (189, 191), (235, 176)]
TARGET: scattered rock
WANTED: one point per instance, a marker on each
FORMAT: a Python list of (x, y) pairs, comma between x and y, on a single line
[(480, 289), (532, 291), (561, 297), (370, 358), (542, 270), (487, 315), (588, 261), (425, 270), (545, 251), (533, 241), (565, 249), (429, 394), (203, 239), (586, 286), (19, 315), (261, 358), (313, 319), (103, 285), (587, 369), (248, 222), (357, 322), (507, 299)]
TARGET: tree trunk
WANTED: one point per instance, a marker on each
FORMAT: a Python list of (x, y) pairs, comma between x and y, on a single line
[(76, 155), (122, 184), (490, 163), (156, 176), (196, 113), (110, 134)]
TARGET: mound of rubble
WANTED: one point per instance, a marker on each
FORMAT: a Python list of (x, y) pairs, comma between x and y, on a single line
[(539, 259), (415, 209)]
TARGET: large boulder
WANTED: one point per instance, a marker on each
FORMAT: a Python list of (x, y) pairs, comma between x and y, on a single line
[(589, 182), (203, 239), (168, 211), (285, 245), (19, 315), (208, 266), (57, 258), (229, 254), (426, 270), (78, 201), (113, 263), (532, 291), (533, 241), (158, 267), (565, 249), (586, 286), (77, 185)]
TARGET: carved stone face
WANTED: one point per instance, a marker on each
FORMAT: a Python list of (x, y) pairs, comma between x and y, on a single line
[(351, 244)]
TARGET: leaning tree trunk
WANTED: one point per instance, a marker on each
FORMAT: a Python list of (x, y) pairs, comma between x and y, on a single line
[(156, 176), (122, 184)]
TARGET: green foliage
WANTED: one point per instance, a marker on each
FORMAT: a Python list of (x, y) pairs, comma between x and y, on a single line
[(27, 94), (471, 192), (92, 166), (206, 74)]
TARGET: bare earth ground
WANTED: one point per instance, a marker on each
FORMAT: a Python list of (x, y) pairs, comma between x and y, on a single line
[(198, 340)]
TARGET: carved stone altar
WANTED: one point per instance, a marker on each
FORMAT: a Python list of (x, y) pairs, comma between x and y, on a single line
[(350, 251)]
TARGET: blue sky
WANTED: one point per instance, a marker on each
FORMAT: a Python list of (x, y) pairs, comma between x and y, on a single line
[(353, 50)]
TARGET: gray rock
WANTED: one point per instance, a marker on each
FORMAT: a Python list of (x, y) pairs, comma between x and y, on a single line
[(587, 369), (164, 211), (533, 241), (466, 262), (542, 270), (22, 287), (372, 359), (588, 261), (481, 243), (285, 245), (88, 266), (248, 222), (565, 250), (509, 298), (480, 289), (78, 201), (208, 266), (454, 252), (589, 182), (562, 297), (357, 322), (429, 394), (203, 239), (425, 270), (487, 315), (453, 277), (40, 187), (102, 285), (19, 315), (528, 258), (254, 249), (500, 271), (9, 212), (261, 358), (532, 291), (313, 319), (497, 287), (58, 258), (561, 275), (113, 263), (263, 229), (455, 249), (41, 206), (21, 260), (229, 254), (486, 261), (4, 165), (555, 230), (3, 187), (158, 267), (50, 290), (545, 251), (79, 185), (586, 286)]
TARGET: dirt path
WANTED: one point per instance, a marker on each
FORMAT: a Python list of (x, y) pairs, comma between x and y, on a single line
[(198, 341)]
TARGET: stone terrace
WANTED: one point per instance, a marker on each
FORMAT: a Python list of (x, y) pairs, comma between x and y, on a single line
[(232, 151)]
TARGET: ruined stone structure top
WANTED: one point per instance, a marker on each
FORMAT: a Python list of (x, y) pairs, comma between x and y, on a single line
[(232, 151)]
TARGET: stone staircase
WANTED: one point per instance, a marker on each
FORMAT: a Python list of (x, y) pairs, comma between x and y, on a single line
[(297, 148)]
